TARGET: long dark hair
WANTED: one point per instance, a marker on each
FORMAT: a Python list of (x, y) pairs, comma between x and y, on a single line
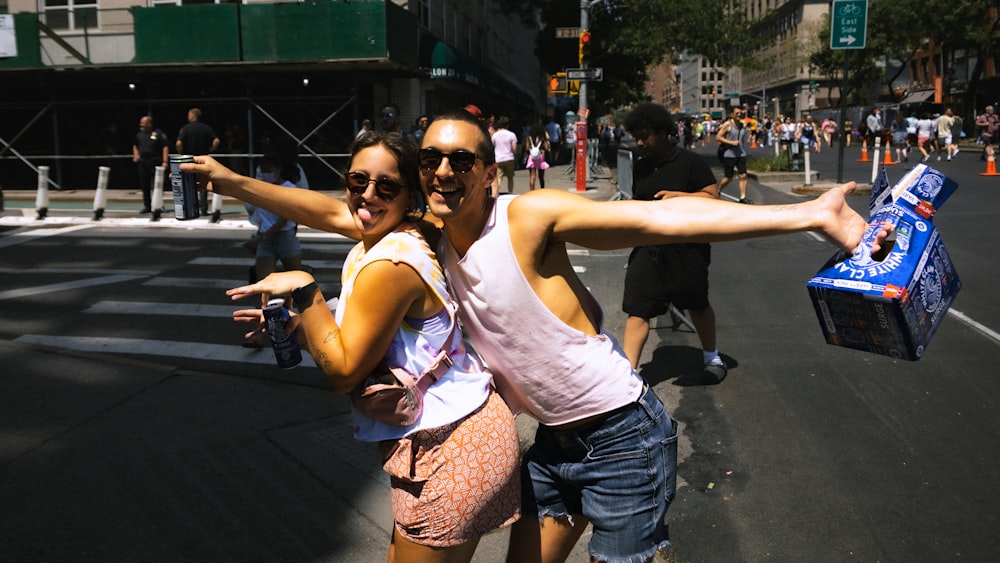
[(405, 153)]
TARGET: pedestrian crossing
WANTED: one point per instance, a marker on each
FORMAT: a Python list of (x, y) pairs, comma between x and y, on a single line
[(168, 296)]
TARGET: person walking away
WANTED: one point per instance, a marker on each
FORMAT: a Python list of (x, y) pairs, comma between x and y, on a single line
[(536, 147), (898, 127), (733, 133), (601, 428), (875, 126), (945, 131), (661, 275), (924, 127), (149, 150), (848, 132), (555, 137), (454, 472), (504, 148), (197, 139), (911, 135)]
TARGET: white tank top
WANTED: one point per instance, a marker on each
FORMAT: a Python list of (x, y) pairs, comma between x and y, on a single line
[(464, 387), (540, 364)]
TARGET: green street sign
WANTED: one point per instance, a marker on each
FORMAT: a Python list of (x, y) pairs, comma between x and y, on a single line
[(848, 24)]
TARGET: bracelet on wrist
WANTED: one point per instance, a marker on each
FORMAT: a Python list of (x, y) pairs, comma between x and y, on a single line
[(303, 296)]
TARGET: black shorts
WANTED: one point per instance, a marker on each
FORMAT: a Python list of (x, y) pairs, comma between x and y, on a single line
[(738, 164), (660, 275)]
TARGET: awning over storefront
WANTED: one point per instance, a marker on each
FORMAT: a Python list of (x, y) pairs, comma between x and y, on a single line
[(917, 97), (443, 61)]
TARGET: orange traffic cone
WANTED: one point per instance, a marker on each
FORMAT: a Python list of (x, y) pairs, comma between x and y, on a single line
[(991, 163), (864, 154), (753, 141), (887, 161)]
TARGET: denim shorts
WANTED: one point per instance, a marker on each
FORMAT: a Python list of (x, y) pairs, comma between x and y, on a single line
[(283, 244), (619, 472)]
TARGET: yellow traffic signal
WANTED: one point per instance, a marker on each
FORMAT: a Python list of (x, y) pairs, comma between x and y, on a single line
[(584, 47)]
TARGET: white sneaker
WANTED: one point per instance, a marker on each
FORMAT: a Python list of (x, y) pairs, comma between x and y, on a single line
[(956, 152), (939, 158)]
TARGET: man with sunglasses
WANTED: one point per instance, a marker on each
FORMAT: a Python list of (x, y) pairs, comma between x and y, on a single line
[(605, 452), (389, 119)]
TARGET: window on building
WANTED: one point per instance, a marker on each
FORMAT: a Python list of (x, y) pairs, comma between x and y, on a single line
[(69, 14), (425, 13), (467, 28), (188, 2), (3, 7)]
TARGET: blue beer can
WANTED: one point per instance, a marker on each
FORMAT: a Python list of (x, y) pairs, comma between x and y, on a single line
[(286, 346), (185, 188)]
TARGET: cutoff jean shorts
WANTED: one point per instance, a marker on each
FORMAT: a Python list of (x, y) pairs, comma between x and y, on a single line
[(619, 472)]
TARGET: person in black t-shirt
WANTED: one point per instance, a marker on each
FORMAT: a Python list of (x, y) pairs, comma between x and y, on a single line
[(197, 138), (672, 273), (149, 150)]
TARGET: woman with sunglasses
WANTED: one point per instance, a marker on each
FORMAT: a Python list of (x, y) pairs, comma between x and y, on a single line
[(455, 471)]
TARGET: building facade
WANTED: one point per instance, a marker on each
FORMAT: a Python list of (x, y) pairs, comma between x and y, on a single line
[(78, 74)]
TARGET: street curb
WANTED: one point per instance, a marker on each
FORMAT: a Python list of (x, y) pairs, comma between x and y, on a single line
[(862, 189)]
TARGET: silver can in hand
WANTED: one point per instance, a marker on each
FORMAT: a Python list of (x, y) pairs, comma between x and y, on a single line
[(286, 346), (185, 188)]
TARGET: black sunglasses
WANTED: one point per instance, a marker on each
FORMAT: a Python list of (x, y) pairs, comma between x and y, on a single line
[(385, 189), (461, 161)]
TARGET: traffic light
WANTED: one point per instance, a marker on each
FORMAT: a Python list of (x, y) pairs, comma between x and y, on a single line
[(557, 83), (584, 47)]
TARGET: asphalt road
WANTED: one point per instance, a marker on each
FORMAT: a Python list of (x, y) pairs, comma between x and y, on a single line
[(188, 447)]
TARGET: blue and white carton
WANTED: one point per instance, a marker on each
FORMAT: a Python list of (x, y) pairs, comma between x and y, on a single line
[(892, 303)]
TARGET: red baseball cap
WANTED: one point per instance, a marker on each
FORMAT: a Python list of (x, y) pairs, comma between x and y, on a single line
[(474, 110)]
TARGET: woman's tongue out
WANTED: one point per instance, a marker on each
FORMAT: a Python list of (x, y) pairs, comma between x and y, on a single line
[(367, 215)]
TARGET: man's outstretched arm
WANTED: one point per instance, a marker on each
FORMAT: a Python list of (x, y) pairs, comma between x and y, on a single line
[(611, 225)]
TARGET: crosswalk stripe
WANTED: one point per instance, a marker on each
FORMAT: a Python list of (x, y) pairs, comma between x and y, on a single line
[(247, 262), (207, 283), (76, 271), (75, 284), (169, 309), (199, 350), (24, 235)]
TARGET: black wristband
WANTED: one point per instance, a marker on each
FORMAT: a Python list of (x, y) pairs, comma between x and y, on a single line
[(303, 296)]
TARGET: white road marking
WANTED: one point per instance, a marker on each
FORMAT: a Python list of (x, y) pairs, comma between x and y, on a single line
[(76, 284), (22, 236), (196, 350), (168, 309), (986, 331), (247, 262)]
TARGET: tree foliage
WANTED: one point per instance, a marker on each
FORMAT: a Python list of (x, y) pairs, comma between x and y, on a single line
[(629, 36), (898, 30)]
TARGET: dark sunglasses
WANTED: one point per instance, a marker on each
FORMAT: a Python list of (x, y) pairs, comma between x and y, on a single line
[(461, 161), (385, 189)]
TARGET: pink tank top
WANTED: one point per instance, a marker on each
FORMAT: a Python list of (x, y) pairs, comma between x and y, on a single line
[(540, 365)]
